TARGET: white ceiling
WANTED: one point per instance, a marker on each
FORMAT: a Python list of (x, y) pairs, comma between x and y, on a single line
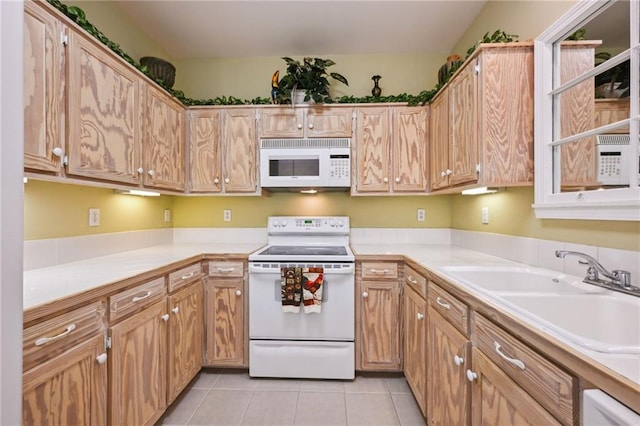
[(245, 28)]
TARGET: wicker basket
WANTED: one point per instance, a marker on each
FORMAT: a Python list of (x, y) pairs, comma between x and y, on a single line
[(160, 69)]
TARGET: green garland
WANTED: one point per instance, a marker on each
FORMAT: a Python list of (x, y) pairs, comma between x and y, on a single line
[(78, 16)]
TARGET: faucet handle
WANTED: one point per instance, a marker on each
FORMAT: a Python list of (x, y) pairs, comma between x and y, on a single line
[(622, 277), (592, 273)]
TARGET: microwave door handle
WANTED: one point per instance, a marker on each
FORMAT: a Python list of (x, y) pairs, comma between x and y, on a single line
[(278, 291)]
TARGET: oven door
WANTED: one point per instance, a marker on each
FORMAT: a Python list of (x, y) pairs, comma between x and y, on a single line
[(334, 322), (283, 168)]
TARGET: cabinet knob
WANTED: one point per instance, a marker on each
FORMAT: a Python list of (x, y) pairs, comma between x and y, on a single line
[(299, 126), (216, 181), (227, 180), (365, 294), (448, 172), (397, 180), (102, 358), (311, 125), (140, 170), (420, 316), (57, 151), (443, 174), (238, 293), (151, 172), (471, 376), (165, 317), (385, 180), (458, 360), (175, 310)]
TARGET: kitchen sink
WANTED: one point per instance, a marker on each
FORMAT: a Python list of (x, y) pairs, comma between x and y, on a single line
[(608, 323), (519, 279)]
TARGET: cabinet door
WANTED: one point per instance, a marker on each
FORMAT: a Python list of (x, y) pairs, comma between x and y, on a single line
[(373, 138), (463, 149), (498, 400), (103, 114), (240, 150), (205, 167), (138, 367), (439, 170), (70, 389), (281, 122), (415, 345), (328, 122), (44, 70), (409, 149), (163, 147), (185, 338), (448, 390), (379, 325), (225, 331), (611, 110)]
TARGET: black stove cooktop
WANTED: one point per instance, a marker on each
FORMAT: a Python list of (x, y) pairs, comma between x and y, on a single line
[(304, 251)]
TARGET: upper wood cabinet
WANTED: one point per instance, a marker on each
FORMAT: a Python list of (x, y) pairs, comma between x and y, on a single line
[(311, 122), (205, 173), (609, 111), (390, 150), (163, 147), (44, 79), (103, 106), (489, 105)]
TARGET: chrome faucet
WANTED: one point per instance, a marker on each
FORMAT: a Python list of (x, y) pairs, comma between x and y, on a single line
[(618, 279)]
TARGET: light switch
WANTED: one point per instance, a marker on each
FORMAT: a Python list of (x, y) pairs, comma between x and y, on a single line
[(94, 217), (167, 215)]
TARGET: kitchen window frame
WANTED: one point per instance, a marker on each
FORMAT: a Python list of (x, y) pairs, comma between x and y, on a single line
[(611, 204)]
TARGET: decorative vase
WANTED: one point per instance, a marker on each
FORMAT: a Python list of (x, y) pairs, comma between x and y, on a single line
[(297, 97), (376, 91), (160, 69)]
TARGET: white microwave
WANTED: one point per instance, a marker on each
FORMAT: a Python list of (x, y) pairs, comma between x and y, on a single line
[(613, 159), (305, 163)]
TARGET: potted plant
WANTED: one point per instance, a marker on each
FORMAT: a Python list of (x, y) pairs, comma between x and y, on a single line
[(310, 76), (615, 82)]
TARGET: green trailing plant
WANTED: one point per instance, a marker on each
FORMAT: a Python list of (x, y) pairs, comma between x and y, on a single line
[(578, 35), (498, 36), (310, 75)]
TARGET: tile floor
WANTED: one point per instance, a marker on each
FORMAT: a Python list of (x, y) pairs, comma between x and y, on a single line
[(231, 397)]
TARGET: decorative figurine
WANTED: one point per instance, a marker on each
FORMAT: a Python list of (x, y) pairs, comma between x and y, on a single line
[(376, 91), (274, 86)]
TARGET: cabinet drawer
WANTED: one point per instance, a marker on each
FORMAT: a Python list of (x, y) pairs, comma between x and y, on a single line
[(546, 383), (184, 276), (379, 270), (128, 301), (415, 281), (455, 311), (50, 338), (226, 269)]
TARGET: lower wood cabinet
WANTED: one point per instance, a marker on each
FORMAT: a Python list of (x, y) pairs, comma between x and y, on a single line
[(225, 304), (448, 389), (138, 367), (185, 338), (415, 345), (65, 370), (378, 317)]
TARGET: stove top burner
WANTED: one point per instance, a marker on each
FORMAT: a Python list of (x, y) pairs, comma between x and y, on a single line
[(304, 251)]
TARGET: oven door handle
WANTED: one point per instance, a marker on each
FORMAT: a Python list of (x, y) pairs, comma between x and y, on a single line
[(278, 291)]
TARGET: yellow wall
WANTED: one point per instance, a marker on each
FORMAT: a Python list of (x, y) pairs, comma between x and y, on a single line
[(364, 212), (510, 213), (54, 210)]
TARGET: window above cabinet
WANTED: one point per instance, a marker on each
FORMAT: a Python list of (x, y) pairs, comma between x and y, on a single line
[(587, 114)]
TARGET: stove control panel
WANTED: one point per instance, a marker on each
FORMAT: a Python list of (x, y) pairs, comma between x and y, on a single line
[(312, 224)]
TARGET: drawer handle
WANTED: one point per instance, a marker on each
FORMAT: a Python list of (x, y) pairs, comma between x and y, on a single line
[(379, 271), (458, 360), (442, 303), (187, 276), (139, 298), (41, 341), (419, 316), (471, 376), (412, 280), (225, 270), (102, 358), (513, 361)]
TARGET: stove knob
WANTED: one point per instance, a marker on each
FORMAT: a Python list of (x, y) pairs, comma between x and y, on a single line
[(284, 223), (340, 224), (275, 223), (332, 223)]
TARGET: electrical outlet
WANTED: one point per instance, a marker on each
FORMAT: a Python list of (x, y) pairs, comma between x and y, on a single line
[(485, 215), (167, 215), (420, 215), (227, 216), (94, 217)]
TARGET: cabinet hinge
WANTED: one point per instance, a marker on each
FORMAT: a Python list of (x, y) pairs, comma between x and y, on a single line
[(478, 168), (107, 342), (64, 38), (476, 69)]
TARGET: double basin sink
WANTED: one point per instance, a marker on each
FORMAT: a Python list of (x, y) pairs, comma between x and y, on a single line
[(590, 317)]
